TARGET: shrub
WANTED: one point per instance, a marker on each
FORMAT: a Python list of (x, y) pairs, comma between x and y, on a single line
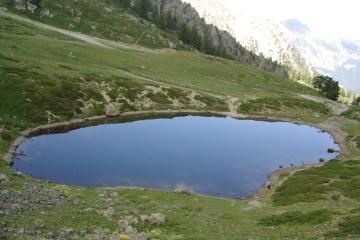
[(327, 86), (297, 217)]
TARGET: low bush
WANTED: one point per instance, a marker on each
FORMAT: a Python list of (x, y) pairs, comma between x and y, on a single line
[(297, 217)]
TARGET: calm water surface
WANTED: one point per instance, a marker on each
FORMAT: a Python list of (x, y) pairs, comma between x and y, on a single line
[(215, 156)]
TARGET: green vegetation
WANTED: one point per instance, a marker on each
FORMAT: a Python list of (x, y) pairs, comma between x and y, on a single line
[(352, 113), (283, 106), (215, 103), (317, 183), (97, 18), (176, 93), (350, 226), (40, 84), (297, 217), (160, 98), (327, 86)]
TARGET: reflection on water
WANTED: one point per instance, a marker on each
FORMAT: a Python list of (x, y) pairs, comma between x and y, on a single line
[(208, 155)]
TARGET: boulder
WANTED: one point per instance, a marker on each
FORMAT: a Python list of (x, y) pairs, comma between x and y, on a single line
[(183, 189), (144, 218), (3, 178), (111, 110), (109, 213), (130, 230), (157, 218), (114, 195), (331, 150)]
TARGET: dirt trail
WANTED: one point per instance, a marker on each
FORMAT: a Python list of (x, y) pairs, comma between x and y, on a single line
[(76, 35)]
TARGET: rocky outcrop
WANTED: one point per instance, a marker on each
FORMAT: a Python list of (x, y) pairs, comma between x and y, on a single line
[(111, 110), (185, 13)]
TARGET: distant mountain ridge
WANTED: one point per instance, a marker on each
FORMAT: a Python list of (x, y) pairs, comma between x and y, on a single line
[(290, 42), (220, 38), (259, 35), (328, 55)]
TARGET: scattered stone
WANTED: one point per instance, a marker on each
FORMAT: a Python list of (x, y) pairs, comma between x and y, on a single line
[(109, 213), (65, 232), (114, 195), (142, 67), (130, 230), (20, 231), (90, 210), (111, 110), (77, 20), (3, 178), (23, 5), (172, 45), (321, 160), (281, 166), (157, 218), (71, 55), (46, 13), (144, 218), (331, 150), (123, 224), (183, 189), (98, 234), (127, 221)]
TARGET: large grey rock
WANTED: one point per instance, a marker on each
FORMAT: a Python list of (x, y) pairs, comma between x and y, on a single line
[(111, 110), (3, 178), (109, 213), (157, 218)]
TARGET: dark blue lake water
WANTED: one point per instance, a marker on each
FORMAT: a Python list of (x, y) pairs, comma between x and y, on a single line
[(214, 156)]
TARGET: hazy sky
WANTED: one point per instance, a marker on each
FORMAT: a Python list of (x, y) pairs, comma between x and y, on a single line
[(328, 17)]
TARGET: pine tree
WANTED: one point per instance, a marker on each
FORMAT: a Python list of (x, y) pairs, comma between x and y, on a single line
[(207, 46), (125, 3), (143, 8), (195, 38), (170, 24), (183, 32)]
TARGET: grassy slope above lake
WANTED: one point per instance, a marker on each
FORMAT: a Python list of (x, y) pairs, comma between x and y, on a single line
[(46, 76)]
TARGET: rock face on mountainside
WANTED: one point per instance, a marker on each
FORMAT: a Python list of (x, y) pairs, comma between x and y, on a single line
[(258, 35), (222, 41), (184, 12), (290, 42)]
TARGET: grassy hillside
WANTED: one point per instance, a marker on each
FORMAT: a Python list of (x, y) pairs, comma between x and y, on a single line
[(47, 76), (67, 79), (104, 19)]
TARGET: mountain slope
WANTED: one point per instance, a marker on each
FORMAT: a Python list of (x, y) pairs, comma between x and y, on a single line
[(50, 77), (290, 42), (258, 35), (112, 21), (327, 54)]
